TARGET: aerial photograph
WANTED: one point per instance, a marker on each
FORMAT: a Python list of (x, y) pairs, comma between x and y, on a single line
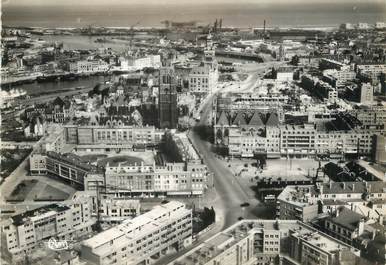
[(193, 132)]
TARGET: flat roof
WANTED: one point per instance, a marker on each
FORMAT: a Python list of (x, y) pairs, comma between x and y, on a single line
[(131, 229), (298, 195), (211, 248), (38, 213)]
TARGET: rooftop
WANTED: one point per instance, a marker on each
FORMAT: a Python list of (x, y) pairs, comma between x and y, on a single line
[(354, 187), (346, 218), (222, 241), (298, 195), (134, 228), (38, 213), (73, 159)]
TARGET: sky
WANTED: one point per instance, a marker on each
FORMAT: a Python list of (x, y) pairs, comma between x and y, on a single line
[(163, 2)]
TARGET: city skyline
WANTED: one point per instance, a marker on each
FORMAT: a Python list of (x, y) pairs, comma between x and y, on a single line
[(182, 133)]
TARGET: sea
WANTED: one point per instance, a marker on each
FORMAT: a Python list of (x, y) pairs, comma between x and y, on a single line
[(287, 14)]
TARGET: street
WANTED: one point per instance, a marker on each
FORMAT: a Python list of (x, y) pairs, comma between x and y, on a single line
[(229, 193)]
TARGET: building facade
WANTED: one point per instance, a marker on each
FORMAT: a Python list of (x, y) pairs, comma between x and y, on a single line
[(297, 202), (269, 242), (25, 231), (113, 137), (135, 241), (143, 180), (92, 66)]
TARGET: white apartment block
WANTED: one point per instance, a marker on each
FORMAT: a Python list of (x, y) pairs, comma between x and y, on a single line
[(367, 94), (114, 137), (339, 77), (203, 78), (153, 61), (92, 66), (25, 231), (268, 242), (151, 180), (298, 140), (135, 241)]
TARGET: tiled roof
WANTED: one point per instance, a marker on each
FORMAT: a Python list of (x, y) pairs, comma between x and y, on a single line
[(346, 218), (223, 119), (256, 120), (354, 187), (239, 119), (273, 120)]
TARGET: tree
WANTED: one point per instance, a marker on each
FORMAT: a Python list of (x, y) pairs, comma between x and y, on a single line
[(295, 60)]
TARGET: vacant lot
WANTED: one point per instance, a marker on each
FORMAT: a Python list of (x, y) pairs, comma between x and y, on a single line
[(21, 191), (50, 193)]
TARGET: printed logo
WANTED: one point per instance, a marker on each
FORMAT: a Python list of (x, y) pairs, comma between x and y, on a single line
[(57, 245)]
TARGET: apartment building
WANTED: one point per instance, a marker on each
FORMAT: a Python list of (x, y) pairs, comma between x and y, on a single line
[(69, 167), (367, 94), (324, 90), (326, 63), (135, 241), (371, 70), (25, 231), (297, 203), (37, 164), (114, 137), (370, 115), (369, 190), (151, 180), (291, 140), (344, 225), (245, 143), (298, 140), (338, 78), (344, 142), (269, 242), (91, 66), (379, 151), (153, 61)]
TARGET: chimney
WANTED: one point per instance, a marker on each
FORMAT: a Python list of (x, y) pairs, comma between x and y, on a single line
[(337, 212), (330, 184), (353, 187), (343, 185), (361, 226), (321, 189), (373, 234)]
